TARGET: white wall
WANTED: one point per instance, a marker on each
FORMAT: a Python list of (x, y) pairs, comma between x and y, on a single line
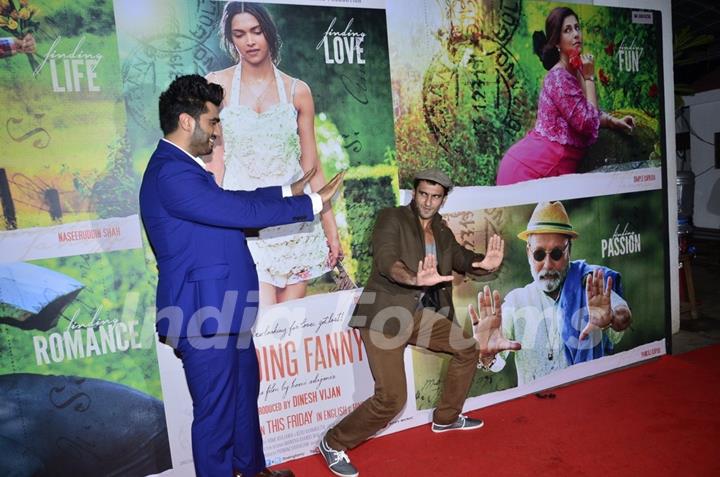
[(704, 119)]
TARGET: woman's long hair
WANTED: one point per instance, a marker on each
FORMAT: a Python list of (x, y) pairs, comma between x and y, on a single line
[(545, 44), (267, 25)]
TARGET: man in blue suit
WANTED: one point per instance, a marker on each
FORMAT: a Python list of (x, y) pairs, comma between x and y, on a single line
[(207, 288)]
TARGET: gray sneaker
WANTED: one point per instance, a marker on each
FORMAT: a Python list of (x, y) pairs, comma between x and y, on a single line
[(338, 462), (463, 423)]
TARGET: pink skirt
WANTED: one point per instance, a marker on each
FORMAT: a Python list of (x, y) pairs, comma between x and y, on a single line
[(534, 157)]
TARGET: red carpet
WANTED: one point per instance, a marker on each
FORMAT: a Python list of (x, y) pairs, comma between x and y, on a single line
[(656, 419)]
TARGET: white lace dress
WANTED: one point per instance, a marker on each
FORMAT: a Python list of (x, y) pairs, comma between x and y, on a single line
[(263, 149)]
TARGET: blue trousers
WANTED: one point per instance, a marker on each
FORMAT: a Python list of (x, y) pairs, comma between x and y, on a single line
[(222, 376)]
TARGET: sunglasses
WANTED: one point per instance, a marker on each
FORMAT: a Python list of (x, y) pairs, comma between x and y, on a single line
[(555, 254)]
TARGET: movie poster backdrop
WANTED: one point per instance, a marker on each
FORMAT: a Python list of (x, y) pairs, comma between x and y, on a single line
[(616, 232), (79, 384), (77, 286), (313, 368), (340, 53), (468, 89)]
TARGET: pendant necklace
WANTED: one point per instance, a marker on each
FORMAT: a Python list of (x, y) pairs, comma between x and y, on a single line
[(258, 96), (553, 342)]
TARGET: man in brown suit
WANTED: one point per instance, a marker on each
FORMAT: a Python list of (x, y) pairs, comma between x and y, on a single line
[(408, 300)]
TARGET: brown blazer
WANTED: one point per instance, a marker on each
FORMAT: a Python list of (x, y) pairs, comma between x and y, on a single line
[(388, 306)]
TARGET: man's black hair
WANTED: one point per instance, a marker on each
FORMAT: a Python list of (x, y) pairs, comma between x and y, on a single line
[(187, 94)]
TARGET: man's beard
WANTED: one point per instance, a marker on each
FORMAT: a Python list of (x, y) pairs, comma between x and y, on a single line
[(200, 141), (548, 280)]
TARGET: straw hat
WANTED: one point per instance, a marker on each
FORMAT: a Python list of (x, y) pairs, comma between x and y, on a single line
[(549, 218)]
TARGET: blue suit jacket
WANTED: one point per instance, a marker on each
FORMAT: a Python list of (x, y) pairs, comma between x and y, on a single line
[(207, 281)]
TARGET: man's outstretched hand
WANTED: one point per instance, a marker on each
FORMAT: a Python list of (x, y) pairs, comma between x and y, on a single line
[(427, 274), (298, 187), (493, 255), (328, 190), (487, 323)]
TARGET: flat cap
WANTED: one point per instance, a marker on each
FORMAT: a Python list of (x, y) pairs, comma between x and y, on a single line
[(435, 175)]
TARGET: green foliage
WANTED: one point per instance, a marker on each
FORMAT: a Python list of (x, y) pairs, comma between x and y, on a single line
[(479, 98), (16, 75), (82, 16), (605, 31), (685, 41), (331, 153), (115, 193), (367, 190), (73, 129), (687, 47), (117, 287), (474, 100), (615, 149), (356, 96)]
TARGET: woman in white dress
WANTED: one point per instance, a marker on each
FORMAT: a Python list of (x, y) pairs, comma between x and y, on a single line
[(267, 119)]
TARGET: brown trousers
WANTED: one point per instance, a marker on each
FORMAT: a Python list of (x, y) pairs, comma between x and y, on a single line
[(385, 357)]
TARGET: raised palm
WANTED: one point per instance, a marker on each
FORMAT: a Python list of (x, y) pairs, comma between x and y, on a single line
[(487, 323), (598, 302), (428, 275), (493, 255)]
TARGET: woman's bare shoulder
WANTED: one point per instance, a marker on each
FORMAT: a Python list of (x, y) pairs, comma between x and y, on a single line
[(289, 80), (300, 93), (302, 88), (221, 77)]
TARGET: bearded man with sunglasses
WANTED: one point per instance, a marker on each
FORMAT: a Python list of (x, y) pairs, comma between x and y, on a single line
[(571, 312)]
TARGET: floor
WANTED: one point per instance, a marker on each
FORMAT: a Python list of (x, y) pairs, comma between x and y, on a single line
[(705, 330), (506, 421)]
